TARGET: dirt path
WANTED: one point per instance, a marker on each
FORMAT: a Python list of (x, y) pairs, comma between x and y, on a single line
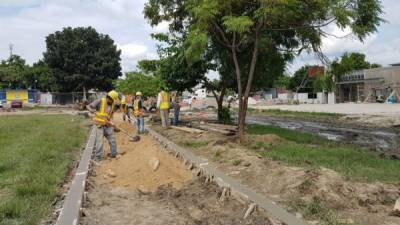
[(129, 191)]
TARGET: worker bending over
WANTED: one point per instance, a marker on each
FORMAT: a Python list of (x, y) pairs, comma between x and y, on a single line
[(163, 106), (138, 112), (104, 109)]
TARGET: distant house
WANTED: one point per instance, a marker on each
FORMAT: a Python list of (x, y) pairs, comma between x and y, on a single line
[(368, 85)]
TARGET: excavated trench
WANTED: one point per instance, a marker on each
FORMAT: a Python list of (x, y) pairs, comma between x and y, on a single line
[(146, 185)]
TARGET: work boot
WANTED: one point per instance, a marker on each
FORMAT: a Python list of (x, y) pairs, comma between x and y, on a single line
[(111, 156)]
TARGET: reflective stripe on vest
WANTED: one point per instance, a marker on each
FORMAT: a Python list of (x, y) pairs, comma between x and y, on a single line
[(136, 111), (102, 116), (164, 100)]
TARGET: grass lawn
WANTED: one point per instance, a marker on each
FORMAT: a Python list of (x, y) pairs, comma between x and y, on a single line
[(286, 113), (304, 149), (35, 154)]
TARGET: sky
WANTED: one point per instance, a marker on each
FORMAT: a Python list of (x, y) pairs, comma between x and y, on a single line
[(26, 23)]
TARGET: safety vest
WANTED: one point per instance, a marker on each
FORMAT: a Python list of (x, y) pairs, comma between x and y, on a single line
[(123, 108), (164, 100), (136, 108), (102, 116)]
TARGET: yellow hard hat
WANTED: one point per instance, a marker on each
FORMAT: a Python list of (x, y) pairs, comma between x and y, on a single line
[(139, 93), (113, 94), (123, 102)]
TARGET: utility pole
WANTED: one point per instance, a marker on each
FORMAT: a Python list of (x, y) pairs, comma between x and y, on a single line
[(11, 47)]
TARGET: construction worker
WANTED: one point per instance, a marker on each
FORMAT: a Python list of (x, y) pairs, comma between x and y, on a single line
[(104, 109), (177, 108), (163, 106), (124, 109), (138, 112)]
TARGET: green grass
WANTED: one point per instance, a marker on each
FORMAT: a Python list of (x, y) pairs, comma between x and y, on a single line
[(307, 150), (195, 144), (290, 135), (36, 152), (286, 113)]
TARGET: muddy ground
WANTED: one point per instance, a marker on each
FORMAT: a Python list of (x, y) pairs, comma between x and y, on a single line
[(383, 140), (352, 202), (128, 190)]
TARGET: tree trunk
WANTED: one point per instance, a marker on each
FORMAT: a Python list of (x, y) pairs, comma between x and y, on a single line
[(84, 93), (243, 101)]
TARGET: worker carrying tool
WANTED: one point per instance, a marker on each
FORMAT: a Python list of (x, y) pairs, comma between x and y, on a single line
[(104, 109), (138, 112), (163, 106)]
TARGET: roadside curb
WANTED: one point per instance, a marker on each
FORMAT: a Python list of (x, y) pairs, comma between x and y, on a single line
[(230, 185), (70, 211)]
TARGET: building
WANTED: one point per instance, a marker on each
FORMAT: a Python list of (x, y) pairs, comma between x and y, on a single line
[(369, 85)]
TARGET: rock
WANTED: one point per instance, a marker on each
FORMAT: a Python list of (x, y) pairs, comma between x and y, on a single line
[(195, 213), (142, 190), (299, 215), (120, 192), (247, 164), (154, 164), (202, 122), (111, 173), (396, 209), (235, 172)]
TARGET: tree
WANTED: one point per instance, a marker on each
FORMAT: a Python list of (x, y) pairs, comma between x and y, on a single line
[(350, 62), (136, 81), (12, 73), (39, 76), (257, 26), (81, 59)]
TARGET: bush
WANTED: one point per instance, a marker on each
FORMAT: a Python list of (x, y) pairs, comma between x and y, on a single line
[(224, 115)]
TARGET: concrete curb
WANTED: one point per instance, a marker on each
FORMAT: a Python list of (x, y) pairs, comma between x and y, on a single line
[(70, 211), (237, 189)]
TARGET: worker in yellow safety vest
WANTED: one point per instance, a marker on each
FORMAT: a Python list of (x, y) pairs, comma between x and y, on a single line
[(104, 109), (138, 112), (124, 109), (163, 106)]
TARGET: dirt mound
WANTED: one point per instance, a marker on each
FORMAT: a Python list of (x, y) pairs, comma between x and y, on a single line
[(262, 142), (207, 209), (135, 169)]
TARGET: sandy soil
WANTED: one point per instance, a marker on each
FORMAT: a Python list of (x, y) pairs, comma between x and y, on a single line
[(134, 193), (363, 203)]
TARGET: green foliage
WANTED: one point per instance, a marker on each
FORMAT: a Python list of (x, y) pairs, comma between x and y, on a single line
[(35, 158), (239, 24), (300, 81), (350, 62), (149, 85), (224, 115), (15, 73), (82, 58)]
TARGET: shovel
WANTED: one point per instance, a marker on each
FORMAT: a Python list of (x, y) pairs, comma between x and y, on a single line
[(131, 138)]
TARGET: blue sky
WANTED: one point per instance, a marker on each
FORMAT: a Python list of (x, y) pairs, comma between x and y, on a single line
[(26, 23)]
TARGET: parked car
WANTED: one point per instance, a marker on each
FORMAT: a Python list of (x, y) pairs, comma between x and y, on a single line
[(1, 105), (16, 104)]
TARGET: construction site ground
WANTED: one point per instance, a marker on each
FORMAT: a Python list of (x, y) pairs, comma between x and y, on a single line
[(320, 195), (377, 114), (146, 185)]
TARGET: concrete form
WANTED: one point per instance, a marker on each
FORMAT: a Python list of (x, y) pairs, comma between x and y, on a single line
[(70, 212)]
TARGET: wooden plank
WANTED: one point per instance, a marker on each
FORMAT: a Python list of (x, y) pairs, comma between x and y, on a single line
[(222, 126), (210, 128), (188, 129)]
